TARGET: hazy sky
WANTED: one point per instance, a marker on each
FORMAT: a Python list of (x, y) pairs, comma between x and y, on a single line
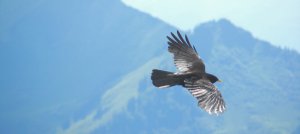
[(276, 21)]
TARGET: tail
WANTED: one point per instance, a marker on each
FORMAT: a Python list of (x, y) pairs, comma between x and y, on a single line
[(162, 79)]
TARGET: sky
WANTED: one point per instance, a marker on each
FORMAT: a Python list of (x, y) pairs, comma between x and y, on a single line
[(275, 21)]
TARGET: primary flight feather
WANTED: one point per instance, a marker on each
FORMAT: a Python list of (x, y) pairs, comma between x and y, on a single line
[(191, 75)]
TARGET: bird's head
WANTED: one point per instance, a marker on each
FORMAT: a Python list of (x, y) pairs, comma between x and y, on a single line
[(212, 78)]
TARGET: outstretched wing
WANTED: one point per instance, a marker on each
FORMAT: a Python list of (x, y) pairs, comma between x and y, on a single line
[(208, 96), (186, 58)]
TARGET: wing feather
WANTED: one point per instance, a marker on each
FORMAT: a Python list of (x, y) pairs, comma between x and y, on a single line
[(208, 96), (186, 58)]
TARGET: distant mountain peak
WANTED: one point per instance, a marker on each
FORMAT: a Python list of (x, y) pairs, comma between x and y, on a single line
[(223, 30), (224, 21), (224, 24)]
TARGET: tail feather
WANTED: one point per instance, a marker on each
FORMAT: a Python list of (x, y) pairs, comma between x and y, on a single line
[(162, 79)]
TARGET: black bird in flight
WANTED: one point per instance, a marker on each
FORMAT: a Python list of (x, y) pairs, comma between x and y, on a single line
[(191, 75)]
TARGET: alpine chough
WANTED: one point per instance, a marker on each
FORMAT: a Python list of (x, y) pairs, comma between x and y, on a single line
[(191, 75)]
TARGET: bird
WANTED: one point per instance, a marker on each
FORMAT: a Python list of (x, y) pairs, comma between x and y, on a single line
[(191, 75)]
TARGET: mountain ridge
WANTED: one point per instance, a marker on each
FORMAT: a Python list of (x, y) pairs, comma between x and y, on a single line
[(59, 61), (248, 83)]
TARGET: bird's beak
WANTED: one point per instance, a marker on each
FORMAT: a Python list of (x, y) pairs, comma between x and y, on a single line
[(219, 81)]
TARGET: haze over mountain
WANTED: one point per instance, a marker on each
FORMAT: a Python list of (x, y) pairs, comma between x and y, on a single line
[(84, 67), (274, 20)]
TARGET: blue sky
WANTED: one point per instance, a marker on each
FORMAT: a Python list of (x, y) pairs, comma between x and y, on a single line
[(276, 21)]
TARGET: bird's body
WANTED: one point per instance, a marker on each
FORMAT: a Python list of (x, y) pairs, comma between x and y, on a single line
[(191, 75)]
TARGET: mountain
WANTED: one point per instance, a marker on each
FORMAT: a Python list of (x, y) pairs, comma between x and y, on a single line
[(260, 88), (84, 67), (58, 57)]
